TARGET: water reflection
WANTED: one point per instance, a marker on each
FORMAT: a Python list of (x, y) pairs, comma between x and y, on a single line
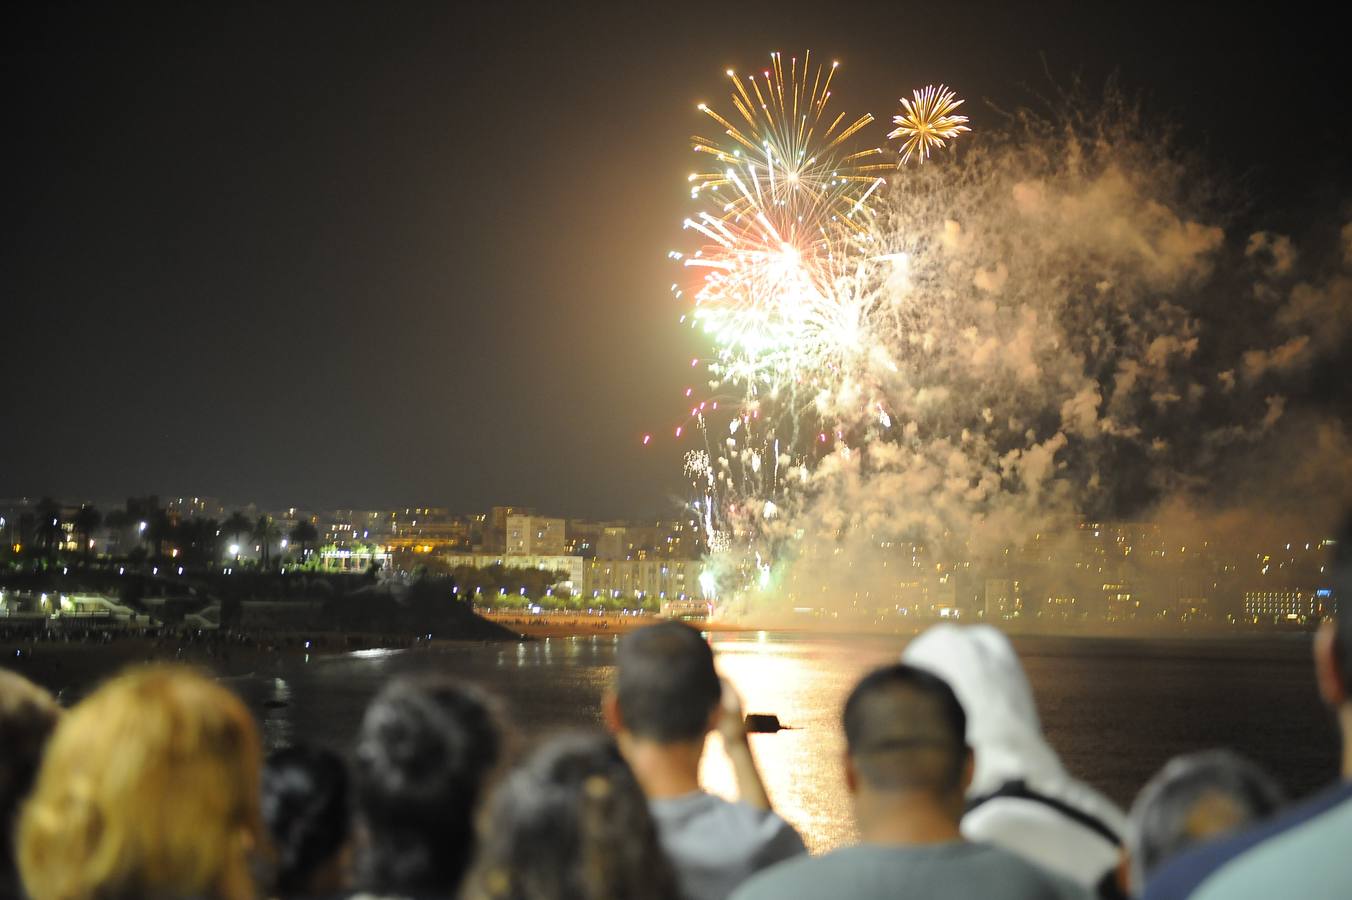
[(804, 682), (276, 720)]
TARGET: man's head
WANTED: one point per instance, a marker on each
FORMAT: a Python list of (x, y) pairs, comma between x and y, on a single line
[(667, 690), (1333, 645), (905, 732), (1193, 799)]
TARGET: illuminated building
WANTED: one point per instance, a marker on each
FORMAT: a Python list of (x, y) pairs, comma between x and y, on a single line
[(641, 578), (495, 530), (345, 526), (1120, 603), (573, 567), (1279, 604), (534, 536), (1004, 599), (427, 529), (195, 508), (664, 539), (358, 557), (1060, 607), (1193, 609)]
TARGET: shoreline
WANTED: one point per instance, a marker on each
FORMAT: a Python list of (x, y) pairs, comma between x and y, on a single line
[(554, 625), (71, 664), (562, 624)]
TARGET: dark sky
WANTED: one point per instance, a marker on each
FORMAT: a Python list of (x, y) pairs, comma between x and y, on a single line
[(389, 253)]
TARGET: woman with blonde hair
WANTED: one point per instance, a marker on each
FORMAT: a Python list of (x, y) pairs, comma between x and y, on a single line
[(148, 788)]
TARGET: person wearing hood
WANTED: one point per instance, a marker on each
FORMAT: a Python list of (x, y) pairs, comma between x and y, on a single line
[(1021, 798)]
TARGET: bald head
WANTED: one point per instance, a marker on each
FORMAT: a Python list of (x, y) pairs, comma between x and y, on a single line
[(905, 730)]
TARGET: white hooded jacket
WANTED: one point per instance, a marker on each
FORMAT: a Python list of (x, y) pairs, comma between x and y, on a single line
[(1034, 807)]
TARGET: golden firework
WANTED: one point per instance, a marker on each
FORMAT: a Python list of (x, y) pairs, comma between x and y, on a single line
[(784, 160), (927, 122)]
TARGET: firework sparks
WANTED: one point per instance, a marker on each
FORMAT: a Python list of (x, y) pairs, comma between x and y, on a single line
[(927, 122), (785, 163), (786, 199), (793, 290)]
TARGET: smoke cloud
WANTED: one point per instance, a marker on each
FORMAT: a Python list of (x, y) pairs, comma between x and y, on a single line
[(1058, 322)]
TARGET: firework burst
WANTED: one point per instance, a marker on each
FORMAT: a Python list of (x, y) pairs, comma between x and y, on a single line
[(785, 198), (794, 288), (927, 122), (784, 162)]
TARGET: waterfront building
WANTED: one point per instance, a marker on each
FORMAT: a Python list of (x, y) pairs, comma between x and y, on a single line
[(573, 567), (423, 530), (534, 536), (355, 557), (495, 529), (195, 508), (1279, 604), (1004, 599), (343, 526), (666, 539), (642, 579), (1193, 609)]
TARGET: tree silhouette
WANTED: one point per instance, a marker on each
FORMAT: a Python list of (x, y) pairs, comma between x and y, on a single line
[(237, 524), (119, 523), (158, 530), (87, 520), (266, 532), (197, 539), (49, 531), (304, 534), (28, 527)]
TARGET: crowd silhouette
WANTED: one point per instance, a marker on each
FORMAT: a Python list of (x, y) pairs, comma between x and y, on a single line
[(155, 785)]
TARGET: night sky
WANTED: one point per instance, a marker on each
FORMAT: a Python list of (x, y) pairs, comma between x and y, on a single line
[(389, 253)]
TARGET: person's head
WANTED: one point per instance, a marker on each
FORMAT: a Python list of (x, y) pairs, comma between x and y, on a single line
[(28, 714), (1333, 644), (1193, 799), (1003, 728), (666, 688), (426, 748), (905, 733), (306, 808), (149, 788), (571, 823)]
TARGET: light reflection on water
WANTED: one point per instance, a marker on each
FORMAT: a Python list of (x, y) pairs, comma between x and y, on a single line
[(805, 683), (1115, 709)]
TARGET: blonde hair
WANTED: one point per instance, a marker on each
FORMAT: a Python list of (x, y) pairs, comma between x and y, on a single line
[(150, 787)]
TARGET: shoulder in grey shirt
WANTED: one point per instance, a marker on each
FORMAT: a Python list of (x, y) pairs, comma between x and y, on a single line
[(951, 871), (714, 845)]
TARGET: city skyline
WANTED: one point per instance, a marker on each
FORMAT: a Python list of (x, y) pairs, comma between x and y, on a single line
[(1077, 572), (301, 254)]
